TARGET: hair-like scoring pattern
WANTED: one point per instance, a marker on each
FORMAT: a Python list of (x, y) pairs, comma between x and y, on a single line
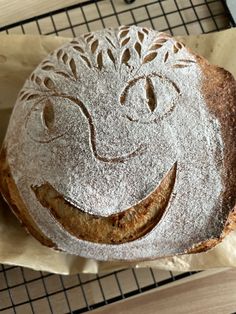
[(103, 122)]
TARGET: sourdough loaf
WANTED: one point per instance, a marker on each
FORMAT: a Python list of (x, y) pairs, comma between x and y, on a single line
[(122, 146)]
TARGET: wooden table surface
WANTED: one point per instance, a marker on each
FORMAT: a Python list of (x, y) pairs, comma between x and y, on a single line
[(210, 292)]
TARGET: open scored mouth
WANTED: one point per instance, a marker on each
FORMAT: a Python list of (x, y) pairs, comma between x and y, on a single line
[(129, 225)]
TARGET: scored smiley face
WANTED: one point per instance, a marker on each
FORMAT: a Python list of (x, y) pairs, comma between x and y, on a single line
[(113, 134)]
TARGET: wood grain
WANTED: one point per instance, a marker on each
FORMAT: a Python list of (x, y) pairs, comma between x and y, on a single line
[(210, 292)]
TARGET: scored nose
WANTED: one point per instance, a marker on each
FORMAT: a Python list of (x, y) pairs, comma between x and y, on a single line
[(93, 141)]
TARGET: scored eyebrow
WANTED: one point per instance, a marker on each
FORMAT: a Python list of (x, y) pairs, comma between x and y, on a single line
[(134, 81), (167, 79)]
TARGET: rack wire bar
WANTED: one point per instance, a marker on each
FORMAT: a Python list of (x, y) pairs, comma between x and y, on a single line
[(177, 17)]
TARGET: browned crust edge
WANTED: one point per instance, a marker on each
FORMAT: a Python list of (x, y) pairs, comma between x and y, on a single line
[(219, 89), (10, 193)]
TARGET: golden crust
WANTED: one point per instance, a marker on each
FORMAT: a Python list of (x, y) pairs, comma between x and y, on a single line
[(219, 89), (12, 196)]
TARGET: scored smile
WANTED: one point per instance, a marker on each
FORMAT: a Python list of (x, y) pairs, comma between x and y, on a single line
[(122, 227)]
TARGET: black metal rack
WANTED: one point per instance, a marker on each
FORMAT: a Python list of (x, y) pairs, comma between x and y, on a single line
[(26, 291), (176, 17), (18, 287)]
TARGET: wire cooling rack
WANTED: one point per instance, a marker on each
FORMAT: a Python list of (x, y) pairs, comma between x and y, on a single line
[(26, 291), (177, 17)]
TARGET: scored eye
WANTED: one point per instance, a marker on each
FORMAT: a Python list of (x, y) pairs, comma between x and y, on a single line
[(149, 98), (48, 115), (150, 94), (50, 119)]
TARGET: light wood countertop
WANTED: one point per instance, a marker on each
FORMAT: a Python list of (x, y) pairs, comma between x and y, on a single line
[(210, 292)]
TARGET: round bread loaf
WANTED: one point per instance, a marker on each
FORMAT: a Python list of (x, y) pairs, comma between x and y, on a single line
[(121, 145)]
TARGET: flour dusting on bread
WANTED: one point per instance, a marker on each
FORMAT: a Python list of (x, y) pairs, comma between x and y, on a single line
[(103, 119)]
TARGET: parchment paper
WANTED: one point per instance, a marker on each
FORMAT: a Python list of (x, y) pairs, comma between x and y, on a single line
[(19, 55)]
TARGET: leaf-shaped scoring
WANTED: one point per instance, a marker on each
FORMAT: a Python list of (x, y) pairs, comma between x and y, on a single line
[(111, 56), (175, 49), (59, 53), (47, 67), (32, 78), (49, 83), (73, 67), (125, 56), (124, 27), (145, 30), (162, 40), (65, 58), (48, 115), (166, 56), (138, 48), (148, 58), (158, 43), (27, 95), (140, 36), (177, 46), (123, 34), (100, 60), (32, 96), (78, 48), (74, 42), (125, 41), (23, 95), (64, 74), (185, 63), (86, 61), (187, 60), (180, 65), (89, 38), (156, 46), (94, 46), (87, 35), (45, 62), (38, 80)]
